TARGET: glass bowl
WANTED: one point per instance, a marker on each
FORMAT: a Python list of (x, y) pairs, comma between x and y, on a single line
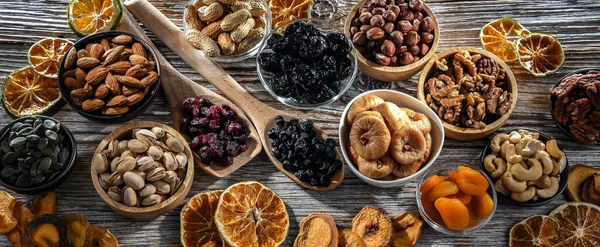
[(443, 169), (242, 56), (266, 78)]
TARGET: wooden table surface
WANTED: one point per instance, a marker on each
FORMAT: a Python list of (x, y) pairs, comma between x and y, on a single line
[(575, 23)]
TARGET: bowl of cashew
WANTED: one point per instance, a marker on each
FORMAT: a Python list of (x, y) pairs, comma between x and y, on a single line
[(528, 167)]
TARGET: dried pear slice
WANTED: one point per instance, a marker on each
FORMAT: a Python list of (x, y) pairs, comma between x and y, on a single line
[(7, 220), (45, 230), (373, 227), (317, 230)]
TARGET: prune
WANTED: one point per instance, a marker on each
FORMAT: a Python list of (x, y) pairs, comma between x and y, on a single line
[(270, 62), (327, 67), (339, 44), (274, 39), (312, 46)]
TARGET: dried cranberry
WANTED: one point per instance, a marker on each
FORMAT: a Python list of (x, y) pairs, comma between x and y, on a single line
[(209, 138), (234, 127), (216, 148), (199, 122), (196, 131), (226, 160), (233, 149), (244, 147), (196, 142), (204, 102), (188, 105), (214, 124), (185, 125), (205, 154), (227, 112), (195, 112), (215, 112)]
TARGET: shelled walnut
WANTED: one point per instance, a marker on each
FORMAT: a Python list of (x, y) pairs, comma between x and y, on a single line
[(577, 105), (468, 90)]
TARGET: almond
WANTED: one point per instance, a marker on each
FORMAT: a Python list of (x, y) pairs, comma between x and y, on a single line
[(106, 52), (120, 67), (69, 73), (101, 91), (80, 76), (135, 98), (137, 59), (116, 110), (88, 47), (118, 100), (96, 75), (138, 49), (127, 91), (122, 39), (78, 94), (112, 84), (71, 83), (125, 54), (105, 44), (114, 55), (89, 90), (92, 105), (82, 53), (137, 71), (150, 79), (70, 58), (87, 62), (76, 101), (130, 81), (97, 51), (150, 66)]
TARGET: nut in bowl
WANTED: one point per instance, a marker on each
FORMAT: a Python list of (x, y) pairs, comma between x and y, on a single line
[(528, 168), (389, 138), (143, 169), (472, 90), (109, 76), (394, 39)]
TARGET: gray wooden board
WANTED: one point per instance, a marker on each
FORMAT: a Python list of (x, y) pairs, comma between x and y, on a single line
[(575, 23)]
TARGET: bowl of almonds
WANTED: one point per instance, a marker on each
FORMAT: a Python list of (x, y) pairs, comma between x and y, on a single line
[(109, 76), (143, 169)]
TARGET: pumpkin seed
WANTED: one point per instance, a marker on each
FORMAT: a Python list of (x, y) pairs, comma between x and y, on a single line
[(24, 181), (13, 180), (9, 158), (63, 155), (49, 124), (22, 151), (43, 143), (7, 171), (17, 142), (37, 123), (5, 146), (49, 151), (52, 136), (45, 164), (38, 179), (57, 166), (35, 153), (34, 168), (39, 130), (33, 139), (25, 131), (16, 126), (53, 176)]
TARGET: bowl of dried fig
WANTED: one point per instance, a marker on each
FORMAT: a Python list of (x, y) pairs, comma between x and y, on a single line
[(473, 91), (393, 39), (109, 76)]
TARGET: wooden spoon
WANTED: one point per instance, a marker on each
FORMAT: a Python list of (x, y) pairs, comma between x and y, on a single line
[(261, 114), (178, 87)]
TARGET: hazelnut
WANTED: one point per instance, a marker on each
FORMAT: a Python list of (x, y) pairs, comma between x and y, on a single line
[(400, 49), (412, 38), (388, 27), (397, 37), (416, 58), (426, 37), (378, 11), (414, 50), (388, 48), (407, 15), (382, 59), (403, 7), (403, 48), (359, 38), (427, 24), (405, 58), (415, 25), (377, 21), (389, 16), (404, 26), (364, 10), (356, 22), (424, 49), (418, 16), (379, 3), (393, 61), (365, 28), (365, 18), (376, 33), (371, 45), (395, 9), (416, 5), (354, 30)]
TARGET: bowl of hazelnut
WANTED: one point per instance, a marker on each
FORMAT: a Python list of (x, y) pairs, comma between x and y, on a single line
[(393, 39), (473, 91)]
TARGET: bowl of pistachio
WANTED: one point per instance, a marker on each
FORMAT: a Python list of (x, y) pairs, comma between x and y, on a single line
[(37, 154)]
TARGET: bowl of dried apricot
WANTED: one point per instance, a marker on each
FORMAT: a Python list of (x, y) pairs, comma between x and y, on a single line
[(455, 198)]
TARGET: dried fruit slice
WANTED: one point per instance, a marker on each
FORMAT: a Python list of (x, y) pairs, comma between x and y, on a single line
[(407, 229), (373, 227), (77, 226), (317, 230), (537, 230), (91, 16), (27, 93), (23, 215), (44, 204), (98, 236), (347, 238), (540, 54), (7, 220), (46, 230), (250, 214), (500, 36), (579, 224), (46, 54), (197, 225), (288, 10)]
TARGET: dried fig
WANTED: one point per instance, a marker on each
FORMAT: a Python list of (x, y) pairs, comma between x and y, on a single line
[(45, 230), (373, 227), (408, 145), (401, 171), (370, 138), (376, 168), (317, 230), (407, 229), (419, 120), (364, 103), (77, 226), (368, 113), (44, 204), (347, 238), (393, 116), (7, 220)]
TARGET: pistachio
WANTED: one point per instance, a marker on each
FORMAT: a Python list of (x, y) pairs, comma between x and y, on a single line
[(162, 146), (155, 152), (170, 176), (174, 186), (127, 153), (162, 188), (175, 145), (146, 137), (149, 189), (137, 146), (125, 164), (158, 132), (133, 180), (181, 160), (156, 174), (113, 146), (99, 163), (113, 163), (122, 147), (145, 163), (151, 200), (146, 133), (140, 173), (116, 179), (169, 161), (129, 197), (114, 193), (104, 180)]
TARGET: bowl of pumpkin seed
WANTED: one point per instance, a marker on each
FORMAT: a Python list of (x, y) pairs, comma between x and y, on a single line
[(37, 154)]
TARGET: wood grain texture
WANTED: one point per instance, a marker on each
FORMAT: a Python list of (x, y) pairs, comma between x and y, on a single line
[(575, 23)]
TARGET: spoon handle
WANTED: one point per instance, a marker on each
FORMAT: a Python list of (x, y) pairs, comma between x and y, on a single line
[(174, 38)]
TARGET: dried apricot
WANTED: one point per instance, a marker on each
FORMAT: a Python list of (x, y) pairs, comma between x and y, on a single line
[(471, 182), (483, 205), (463, 197), (430, 183), (473, 218), (453, 176), (430, 210), (445, 188), (454, 213)]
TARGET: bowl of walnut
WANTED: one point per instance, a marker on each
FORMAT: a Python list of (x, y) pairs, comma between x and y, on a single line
[(473, 91), (394, 39)]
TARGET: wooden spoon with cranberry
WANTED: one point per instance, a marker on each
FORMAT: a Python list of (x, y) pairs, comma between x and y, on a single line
[(178, 87), (261, 114)]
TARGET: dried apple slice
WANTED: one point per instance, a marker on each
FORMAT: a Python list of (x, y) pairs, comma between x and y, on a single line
[(317, 230), (78, 226), (407, 229), (45, 230), (7, 220), (44, 204), (373, 227)]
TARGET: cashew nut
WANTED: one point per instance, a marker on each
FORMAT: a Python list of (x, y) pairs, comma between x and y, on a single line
[(531, 148), (500, 187), (555, 168), (553, 149), (521, 145), (514, 137), (533, 173), (512, 184), (541, 183), (532, 135), (494, 165), (511, 154), (487, 163), (549, 192), (544, 157), (525, 195), (497, 141), (542, 146), (562, 162), (503, 148)]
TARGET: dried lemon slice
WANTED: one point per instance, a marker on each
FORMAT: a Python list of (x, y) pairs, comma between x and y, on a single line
[(579, 224), (540, 54), (25, 92), (46, 54), (500, 36), (90, 16), (197, 225), (250, 214), (537, 230), (287, 10)]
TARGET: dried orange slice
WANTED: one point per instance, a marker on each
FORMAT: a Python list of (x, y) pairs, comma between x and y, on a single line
[(287, 10), (197, 225), (500, 36), (25, 92), (91, 16), (45, 55), (250, 214), (579, 224), (540, 54), (537, 230)]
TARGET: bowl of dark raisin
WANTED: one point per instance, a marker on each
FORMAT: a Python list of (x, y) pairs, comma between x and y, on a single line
[(37, 154), (306, 64)]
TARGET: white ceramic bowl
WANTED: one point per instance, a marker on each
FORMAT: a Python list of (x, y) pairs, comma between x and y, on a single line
[(402, 100)]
